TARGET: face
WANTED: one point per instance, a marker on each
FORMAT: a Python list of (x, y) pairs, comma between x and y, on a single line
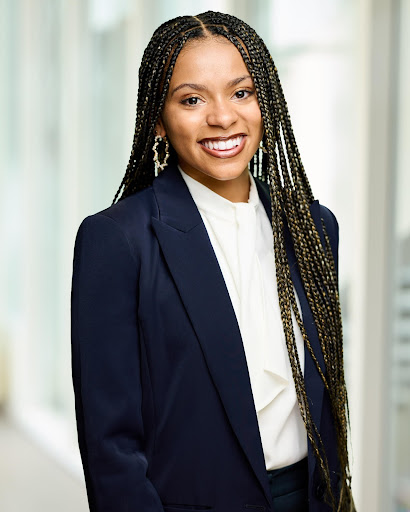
[(211, 115)]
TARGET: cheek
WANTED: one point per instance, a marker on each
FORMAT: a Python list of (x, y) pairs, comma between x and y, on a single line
[(255, 120), (253, 116), (180, 127), (259, 124), (257, 117)]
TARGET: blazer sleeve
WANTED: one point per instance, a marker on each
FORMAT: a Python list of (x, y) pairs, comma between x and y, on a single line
[(332, 229), (106, 370)]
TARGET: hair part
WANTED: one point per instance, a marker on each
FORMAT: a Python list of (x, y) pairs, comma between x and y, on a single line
[(291, 197)]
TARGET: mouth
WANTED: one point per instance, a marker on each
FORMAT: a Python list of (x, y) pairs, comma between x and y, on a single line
[(224, 147)]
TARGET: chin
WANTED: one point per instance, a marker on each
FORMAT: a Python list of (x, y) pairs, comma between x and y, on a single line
[(234, 173), (221, 169), (233, 176)]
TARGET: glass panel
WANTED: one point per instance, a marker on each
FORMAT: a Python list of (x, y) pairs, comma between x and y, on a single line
[(46, 95), (401, 347)]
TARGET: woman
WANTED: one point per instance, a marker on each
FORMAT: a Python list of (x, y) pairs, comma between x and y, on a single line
[(206, 329)]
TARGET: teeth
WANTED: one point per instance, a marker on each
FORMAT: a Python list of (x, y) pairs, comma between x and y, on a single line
[(223, 144)]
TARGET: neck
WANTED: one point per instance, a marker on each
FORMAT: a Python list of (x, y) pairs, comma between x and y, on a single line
[(235, 190)]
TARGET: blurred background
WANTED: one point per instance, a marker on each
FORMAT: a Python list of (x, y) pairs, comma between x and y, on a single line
[(68, 88)]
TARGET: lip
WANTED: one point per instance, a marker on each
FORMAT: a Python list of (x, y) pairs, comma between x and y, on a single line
[(224, 153), (224, 138)]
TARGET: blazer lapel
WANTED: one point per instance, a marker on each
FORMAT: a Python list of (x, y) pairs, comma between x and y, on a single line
[(194, 267)]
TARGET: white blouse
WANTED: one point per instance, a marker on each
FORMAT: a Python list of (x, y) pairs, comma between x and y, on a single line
[(242, 239)]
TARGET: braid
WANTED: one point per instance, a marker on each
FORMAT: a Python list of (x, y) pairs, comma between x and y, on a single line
[(158, 62), (291, 197)]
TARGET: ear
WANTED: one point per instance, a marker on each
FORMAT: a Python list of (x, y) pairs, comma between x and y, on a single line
[(160, 128)]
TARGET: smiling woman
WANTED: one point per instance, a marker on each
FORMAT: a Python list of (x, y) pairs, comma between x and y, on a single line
[(206, 328), (212, 116)]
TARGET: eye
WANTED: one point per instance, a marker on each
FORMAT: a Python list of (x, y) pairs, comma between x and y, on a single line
[(191, 101), (243, 93)]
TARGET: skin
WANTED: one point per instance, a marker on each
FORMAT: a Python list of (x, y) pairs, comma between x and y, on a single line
[(212, 98)]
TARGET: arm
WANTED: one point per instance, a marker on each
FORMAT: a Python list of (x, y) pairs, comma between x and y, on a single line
[(106, 370)]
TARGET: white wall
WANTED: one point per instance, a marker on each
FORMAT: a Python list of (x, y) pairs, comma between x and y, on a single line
[(68, 88)]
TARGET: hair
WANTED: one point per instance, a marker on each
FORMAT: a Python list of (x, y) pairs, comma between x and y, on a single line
[(291, 197)]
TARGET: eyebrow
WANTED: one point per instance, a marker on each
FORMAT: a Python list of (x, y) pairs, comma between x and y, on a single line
[(200, 87)]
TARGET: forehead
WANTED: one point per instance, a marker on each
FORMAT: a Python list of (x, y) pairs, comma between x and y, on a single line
[(207, 59)]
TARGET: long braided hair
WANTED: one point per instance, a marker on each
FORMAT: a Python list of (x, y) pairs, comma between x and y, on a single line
[(291, 197)]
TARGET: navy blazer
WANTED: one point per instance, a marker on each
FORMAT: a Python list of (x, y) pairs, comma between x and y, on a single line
[(165, 414)]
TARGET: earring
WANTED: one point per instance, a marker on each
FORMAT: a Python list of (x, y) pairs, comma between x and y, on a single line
[(255, 166), (258, 160), (160, 166)]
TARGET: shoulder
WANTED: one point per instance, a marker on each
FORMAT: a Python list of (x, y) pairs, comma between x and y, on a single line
[(122, 226), (133, 210), (129, 215), (332, 230), (332, 226), (322, 216)]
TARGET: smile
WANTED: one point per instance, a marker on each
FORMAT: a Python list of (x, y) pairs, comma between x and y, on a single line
[(223, 147)]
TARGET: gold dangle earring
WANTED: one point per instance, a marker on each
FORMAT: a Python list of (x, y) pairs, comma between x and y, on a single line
[(260, 152), (160, 166), (255, 164)]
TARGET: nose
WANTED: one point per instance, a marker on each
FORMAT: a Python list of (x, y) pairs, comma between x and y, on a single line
[(222, 113)]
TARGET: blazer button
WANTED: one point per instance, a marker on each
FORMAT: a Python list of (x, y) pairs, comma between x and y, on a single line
[(320, 491)]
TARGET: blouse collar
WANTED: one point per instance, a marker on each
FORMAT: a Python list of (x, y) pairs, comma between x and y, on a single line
[(210, 202)]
